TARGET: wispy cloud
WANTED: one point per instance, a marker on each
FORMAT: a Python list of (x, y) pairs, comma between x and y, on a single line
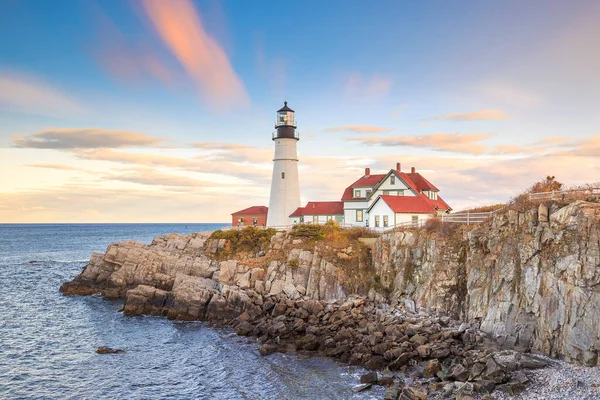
[(374, 87), (27, 94), (83, 138), (510, 94), (481, 115), (358, 129), (455, 142), (148, 176), (178, 25), (53, 166)]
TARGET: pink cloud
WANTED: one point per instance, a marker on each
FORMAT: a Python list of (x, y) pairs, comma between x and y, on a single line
[(178, 25), (481, 115), (358, 129)]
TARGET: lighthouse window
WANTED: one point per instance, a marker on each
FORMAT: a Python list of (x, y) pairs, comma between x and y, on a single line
[(283, 175)]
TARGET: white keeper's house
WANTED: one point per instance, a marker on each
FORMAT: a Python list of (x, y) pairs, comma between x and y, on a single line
[(386, 200)]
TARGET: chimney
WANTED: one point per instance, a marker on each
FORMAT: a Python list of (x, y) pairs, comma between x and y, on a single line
[(412, 170), (367, 171), (398, 166)]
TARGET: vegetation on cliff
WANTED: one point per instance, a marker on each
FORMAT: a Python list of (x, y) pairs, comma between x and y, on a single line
[(247, 240)]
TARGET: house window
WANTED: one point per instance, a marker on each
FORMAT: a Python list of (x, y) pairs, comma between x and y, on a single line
[(283, 175), (392, 180), (377, 221), (241, 220), (415, 220), (315, 219), (368, 193), (329, 218), (385, 220), (357, 193), (386, 192), (302, 219), (359, 215), (401, 192)]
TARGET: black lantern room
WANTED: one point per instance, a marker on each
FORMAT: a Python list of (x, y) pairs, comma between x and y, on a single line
[(285, 124)]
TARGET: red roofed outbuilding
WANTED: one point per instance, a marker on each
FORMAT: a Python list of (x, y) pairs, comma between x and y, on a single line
[(254, 216), (319, 212)]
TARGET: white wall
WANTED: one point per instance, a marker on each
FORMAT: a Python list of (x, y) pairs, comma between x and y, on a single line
[(402, 218), (285, 193), (350, 208), (380, 209), (308, 219)]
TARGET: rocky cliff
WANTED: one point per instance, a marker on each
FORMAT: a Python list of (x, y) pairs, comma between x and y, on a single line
[(184, 277), (530, 278)]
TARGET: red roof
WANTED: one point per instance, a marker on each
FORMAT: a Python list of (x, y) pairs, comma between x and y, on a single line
[(365, 181), (320, 208), (421, 182), (255, 210), (409, 204)]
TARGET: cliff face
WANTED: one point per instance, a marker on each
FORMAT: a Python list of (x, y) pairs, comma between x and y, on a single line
[(531, 278), (180, 277)]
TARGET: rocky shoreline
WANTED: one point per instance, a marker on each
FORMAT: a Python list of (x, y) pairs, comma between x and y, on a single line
[(417, 306)]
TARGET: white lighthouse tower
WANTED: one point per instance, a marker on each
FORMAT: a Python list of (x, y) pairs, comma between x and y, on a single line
[(285, 189)]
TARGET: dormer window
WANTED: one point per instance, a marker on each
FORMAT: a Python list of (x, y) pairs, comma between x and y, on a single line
[(393, 180), (357, 193)]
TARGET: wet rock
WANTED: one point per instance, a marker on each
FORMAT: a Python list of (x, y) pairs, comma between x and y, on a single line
[(108, 350), (244, 328), (369, 377), (392, 392), (362, 388), (267, 349), (385, 381)]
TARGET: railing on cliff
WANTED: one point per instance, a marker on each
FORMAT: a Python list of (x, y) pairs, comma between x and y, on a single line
[(563, 194)]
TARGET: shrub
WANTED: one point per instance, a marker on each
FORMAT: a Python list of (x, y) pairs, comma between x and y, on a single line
[(248, 239), (293, 263)]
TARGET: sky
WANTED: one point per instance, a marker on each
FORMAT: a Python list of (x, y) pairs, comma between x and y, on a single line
[(162, 111)]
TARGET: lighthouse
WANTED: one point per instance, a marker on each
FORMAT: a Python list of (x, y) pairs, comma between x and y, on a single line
[(285, 189)]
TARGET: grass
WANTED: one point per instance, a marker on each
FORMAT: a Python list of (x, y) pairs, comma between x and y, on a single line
[(249, 239)]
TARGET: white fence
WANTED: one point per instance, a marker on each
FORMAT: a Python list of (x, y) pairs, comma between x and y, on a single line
[(467, 217)]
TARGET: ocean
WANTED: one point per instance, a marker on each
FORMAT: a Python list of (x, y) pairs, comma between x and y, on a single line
[(48, 341)]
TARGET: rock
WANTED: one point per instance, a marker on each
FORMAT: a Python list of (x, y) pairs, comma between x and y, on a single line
[(590, 358), (459, 372), (465, 391), (431, 368), (244, 328), (532, 362), (369, 377), (414, 392), (494, 372), (424, 350), (267, 349), (362, 388), (392, 392), (108, 350), (385, 381), (484, 386)]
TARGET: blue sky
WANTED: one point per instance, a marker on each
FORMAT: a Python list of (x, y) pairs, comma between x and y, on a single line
[(116, 110)]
